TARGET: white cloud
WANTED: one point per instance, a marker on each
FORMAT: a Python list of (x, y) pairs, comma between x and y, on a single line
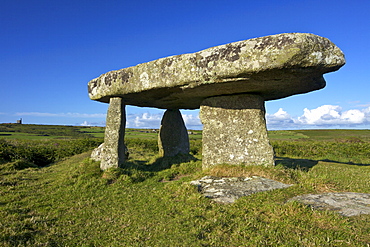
[(326, 116), (144, 120), (192, 121), (332, 115), (357, 104), (86, 123), (366, 111), (280, 118), (69, 114), (153, 121)]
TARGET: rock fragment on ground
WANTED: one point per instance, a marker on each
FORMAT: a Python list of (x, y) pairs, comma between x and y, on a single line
[(227, 190)]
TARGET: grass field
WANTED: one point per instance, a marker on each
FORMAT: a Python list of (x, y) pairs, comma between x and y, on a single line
[(33, 131), (39, 132), (151, 203)]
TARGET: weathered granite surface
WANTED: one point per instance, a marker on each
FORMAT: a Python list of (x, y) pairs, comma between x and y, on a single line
[(227, 190), (114, 150), (98, 153), (173, 136), (229, 82), (234, 131), (345, 203), (273, 67)]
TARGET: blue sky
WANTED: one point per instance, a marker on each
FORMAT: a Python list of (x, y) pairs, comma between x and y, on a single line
[(49, 50)]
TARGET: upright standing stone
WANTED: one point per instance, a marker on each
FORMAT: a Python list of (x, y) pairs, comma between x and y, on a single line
[(114, 147), (173, 136), (234, 131)]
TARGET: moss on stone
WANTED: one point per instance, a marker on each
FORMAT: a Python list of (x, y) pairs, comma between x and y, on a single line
[(305, 55)]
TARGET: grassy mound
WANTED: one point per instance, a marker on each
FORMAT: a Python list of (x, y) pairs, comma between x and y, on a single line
[(74, 203), (150, 202)]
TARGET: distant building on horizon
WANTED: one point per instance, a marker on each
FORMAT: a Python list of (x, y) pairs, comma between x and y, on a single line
[(19, 121)]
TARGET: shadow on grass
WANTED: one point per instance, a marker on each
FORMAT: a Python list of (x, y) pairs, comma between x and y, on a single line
[(301, 164), (139, 171), (159, 164), (307, 164), (347, 163)]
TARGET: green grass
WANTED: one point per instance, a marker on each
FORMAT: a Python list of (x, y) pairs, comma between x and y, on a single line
[(151, 203), (321, 135), (30, 131), (27, 136), (353, 153), (40, 132), (33, 131), (73, 203), (339, 135), (43, 152), (153, 134), (285, 135)]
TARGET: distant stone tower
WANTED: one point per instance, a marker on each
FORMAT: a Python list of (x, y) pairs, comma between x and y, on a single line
[(19, 121)]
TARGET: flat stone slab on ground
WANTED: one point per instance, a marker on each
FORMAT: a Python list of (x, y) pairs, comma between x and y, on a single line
[(227, 190), (345, 203)]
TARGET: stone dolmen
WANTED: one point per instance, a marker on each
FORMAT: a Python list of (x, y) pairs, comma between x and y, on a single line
[(229, 83)]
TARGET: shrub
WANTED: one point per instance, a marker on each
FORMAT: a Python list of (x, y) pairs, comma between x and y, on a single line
[(17, 165), (142, 144), (68, 148), (7, 151), (41, 152), (196, 147)]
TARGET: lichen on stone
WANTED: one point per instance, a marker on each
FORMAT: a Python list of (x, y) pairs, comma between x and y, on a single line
[(298, 59)]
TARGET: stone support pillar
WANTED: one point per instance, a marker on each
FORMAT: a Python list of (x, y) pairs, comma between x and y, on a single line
[(234, 131), (173, 136), (114, 148)]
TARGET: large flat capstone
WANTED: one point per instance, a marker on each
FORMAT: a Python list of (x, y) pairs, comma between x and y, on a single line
[(273, 67)]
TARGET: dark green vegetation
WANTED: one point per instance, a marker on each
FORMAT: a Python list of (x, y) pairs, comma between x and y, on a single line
[(150, 202), (32, 131), (42, 153), (322, 135), (151, 134), (346, 146)]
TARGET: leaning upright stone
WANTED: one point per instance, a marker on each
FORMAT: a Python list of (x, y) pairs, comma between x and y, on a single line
[(234, 131), (173, 136), (114, 151)]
